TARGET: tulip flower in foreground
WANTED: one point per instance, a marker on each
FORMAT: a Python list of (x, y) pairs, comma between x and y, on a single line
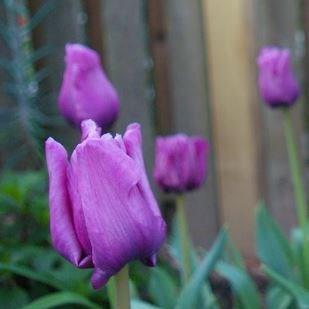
[(86, 93), (102, 211), (180, 163), (277, 82)]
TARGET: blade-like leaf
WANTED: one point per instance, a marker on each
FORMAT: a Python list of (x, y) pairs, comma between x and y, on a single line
[(272, 246), (59, 299), (242, 285), (298, 293), (138, 304), (276, 298), (162, 288), (189, 294), (30, 274), (41, 13), (205, 297)]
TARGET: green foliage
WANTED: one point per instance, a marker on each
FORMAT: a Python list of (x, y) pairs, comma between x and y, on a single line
[(283, 263), (24, 115), (272, 246), (162, 288), (242, 285), (60, 299), (189, 295)]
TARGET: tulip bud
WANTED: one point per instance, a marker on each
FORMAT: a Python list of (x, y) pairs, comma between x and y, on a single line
[(102, 211), (180, 163), (277, 83), (86, 93)]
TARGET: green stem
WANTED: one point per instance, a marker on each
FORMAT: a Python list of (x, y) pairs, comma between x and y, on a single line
[(122, 290), (299, 192), (111, 292), (184, 239)]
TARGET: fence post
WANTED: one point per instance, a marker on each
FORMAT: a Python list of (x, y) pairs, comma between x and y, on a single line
[(190, 107), (233, 102), (275, 22)]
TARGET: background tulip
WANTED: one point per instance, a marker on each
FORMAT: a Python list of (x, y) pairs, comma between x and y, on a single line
[(102, 211), (86, 93), (277, 83), (180, 163)]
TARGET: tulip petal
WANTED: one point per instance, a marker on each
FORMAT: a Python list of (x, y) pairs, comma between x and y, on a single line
[(133, 143), (108, 175), (63, 235)]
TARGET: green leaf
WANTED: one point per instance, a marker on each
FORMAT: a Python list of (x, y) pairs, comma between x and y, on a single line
[(162, 288), (272, 246), (205, 297), (13, 298), (189, 295), (30, 274), (59, 299), (299, 294), (138, 304), (242, 285), (41, 13), (276, 298)]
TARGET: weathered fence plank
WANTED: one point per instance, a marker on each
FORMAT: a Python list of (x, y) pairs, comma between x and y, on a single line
[(190, 106), (231, 78), (127, 62), (275, 25), (157, 25)]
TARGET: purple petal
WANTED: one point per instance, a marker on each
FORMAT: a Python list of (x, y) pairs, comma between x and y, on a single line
[(63, 235), (120, 222)]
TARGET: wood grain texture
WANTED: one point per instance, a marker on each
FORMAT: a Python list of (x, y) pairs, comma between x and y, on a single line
[(127, 63), (231, 78), (157, 29), (190, 107), (275, 22)]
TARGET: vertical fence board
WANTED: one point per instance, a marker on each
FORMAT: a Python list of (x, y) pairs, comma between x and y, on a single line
[(93, 29), (231, 74), (127, 62), (189, 106), (157, 25), (64, 24), (275, 25)]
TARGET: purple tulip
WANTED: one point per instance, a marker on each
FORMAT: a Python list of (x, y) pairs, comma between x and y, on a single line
[(102, 211), (277, 82), (180, 163), (86, 93)]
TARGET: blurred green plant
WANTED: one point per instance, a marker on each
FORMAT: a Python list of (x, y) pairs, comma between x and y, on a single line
[(29, 268), (23, 115), (283, 263)]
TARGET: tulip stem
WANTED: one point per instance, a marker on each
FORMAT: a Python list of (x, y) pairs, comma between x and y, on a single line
[(122, 291), (299, 192), (184, 239)]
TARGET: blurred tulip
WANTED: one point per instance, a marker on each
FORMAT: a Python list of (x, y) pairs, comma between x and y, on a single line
[(180, 163), (86, 93), (102, 211), (277, 83)]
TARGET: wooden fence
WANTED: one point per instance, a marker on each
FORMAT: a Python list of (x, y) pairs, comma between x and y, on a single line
[(189, 66)]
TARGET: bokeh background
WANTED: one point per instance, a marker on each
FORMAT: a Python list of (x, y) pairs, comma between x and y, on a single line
[(179, 66)]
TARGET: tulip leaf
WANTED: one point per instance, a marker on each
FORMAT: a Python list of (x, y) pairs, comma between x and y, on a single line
[(242, 285), (299, 294), (277, 298), (138, 304), (272, 246), (205, 297), (60, 299), (30, 274), (13, 298), (162, 288), (189, 295)]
